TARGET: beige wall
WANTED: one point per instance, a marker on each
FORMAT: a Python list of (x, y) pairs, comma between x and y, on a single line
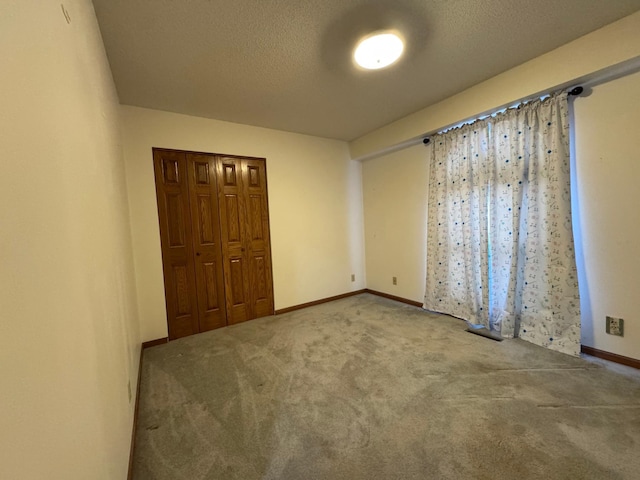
[(395, 192), (69, 340), (606, 212), (315, 206), (611, 45)]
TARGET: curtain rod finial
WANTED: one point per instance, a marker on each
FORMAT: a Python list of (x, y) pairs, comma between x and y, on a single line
[(576, 91)]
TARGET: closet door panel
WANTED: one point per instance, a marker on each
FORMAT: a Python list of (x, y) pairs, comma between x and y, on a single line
[(233, 233), (258, 249), (170, 169), (206, 241)]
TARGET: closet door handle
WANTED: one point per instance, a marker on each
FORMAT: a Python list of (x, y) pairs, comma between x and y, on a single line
[(197, 254)]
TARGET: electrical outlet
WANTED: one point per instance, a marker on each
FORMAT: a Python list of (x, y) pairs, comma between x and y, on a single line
[(129, 390), (615, 326), (353, 277), (394, 280)]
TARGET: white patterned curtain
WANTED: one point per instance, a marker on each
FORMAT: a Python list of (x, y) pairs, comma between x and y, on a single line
[(500, 243)]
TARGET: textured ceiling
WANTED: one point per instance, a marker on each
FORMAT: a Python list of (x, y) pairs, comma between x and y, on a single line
[(286, 64)]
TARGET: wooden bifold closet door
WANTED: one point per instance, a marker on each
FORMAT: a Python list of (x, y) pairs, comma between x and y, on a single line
[(214, 231), (245, 238)]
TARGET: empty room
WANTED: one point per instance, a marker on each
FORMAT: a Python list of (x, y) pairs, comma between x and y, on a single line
[(355, 239)]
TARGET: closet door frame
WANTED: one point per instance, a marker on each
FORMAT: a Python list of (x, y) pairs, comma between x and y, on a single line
[(196, 303)]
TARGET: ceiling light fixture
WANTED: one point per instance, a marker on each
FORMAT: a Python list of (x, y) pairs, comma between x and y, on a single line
[(378, 50)]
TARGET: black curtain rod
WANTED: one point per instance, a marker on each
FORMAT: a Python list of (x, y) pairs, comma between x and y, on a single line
[(575, 91)]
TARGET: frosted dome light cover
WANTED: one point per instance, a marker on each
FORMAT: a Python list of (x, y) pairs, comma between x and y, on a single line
[(378, 50)]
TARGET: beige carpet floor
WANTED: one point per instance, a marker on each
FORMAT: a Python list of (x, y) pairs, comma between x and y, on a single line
[(367, 388)]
